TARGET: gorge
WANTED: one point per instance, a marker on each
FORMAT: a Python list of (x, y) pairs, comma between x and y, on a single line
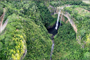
[(45, 30)]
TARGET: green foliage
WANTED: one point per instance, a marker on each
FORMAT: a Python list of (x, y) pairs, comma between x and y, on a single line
[(81, 18), (1, 45), (56, 3), (44, 14), (66, 46), (84, 4), (37, 40), (1, 10), (36, 11), (13, 39), (67, 9), (25, 24), (87, 56), (78, 17), (26, 30)]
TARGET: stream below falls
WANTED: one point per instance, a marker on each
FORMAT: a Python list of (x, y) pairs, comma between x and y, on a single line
[(53, 31)]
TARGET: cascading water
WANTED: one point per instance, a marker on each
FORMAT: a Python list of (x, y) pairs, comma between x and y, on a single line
[(53, 31), (52, 37), (57, 20)]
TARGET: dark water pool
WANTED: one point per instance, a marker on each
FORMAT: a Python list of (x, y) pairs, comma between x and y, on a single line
[(53, 30)]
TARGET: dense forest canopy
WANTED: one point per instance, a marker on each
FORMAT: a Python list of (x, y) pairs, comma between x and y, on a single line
[(26, 36)]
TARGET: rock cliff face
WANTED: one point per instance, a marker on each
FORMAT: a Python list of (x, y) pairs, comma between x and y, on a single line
[(2, 26)]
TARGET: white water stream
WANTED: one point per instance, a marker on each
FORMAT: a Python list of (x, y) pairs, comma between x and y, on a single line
[(58, 19)]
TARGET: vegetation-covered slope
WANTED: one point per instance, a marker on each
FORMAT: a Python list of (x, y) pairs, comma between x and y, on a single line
[(12, 40), (82, 20), (38, 41), (66, 44), (67, 47), (26, 31), (63, 2), (24, 24)]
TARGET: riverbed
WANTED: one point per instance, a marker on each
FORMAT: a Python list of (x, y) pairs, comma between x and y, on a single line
[(53, 31)]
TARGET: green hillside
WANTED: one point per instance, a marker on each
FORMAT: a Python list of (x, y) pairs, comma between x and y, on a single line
[(24, 31), (67, 41), (26, 36)]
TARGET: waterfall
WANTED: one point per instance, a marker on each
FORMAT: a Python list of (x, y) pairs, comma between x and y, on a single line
[(57, 20), (52, 48)]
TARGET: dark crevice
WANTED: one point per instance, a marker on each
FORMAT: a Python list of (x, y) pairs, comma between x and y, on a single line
[(53, 31)]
